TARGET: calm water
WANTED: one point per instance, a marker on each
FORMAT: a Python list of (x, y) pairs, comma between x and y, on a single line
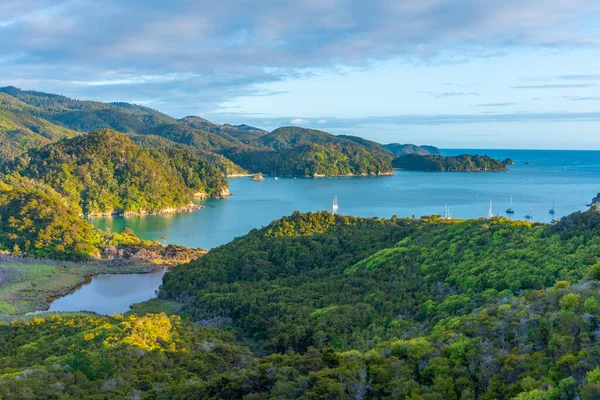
[(572, 178), (107, 294)]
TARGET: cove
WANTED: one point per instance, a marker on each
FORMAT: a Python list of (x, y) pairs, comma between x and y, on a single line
[(569, 178), (110, 293)]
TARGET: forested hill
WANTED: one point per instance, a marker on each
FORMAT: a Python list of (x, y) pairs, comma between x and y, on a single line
[(21, 129), (403, 149), (105, 172), (462, 163), (235, 149), (322, 306), (37, 222), (423, 308), (295, 151)]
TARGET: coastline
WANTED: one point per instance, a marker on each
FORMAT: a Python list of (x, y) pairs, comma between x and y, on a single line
[(318, 176), (188, 208), (43, 281), (175, 210), (30, 285)]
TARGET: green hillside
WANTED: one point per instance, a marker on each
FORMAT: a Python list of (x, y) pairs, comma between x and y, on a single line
[(38, 222), (295, 151), (234, 149), (403, 149), (216, 160), (21, 129), (317, 306), (462, 163), (88, 116), (246, 134), (105, 172)]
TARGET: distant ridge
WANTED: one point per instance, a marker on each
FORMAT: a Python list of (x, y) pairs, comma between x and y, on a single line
[(404, 149), (44, 118)]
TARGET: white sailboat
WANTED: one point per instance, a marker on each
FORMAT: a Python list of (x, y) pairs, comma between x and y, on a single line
[(490, 213), (447, 214), (510, 210), (335, 205)]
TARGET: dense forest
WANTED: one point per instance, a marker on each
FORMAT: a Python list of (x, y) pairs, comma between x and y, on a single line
[(322, 306), (36, 221), (105, 172), (30, 119), (294, 151), (462, 163)]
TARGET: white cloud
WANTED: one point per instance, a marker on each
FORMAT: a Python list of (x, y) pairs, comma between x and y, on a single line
[(300, 121)]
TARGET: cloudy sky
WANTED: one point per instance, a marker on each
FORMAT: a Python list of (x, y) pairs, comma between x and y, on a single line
[(453, 73)]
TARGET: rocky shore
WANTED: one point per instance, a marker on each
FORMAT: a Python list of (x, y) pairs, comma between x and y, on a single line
[(188, 208), (220, 195)]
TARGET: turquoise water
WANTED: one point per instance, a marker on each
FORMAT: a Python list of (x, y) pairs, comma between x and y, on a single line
[(571, 178)]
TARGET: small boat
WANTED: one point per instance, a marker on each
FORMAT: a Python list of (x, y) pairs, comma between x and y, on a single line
[(490, 213), (276, 178), (509, 210), (553, 209), (335, 205), (529, 217)]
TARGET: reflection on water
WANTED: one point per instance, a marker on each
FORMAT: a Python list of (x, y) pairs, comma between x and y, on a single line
[(110, 293)]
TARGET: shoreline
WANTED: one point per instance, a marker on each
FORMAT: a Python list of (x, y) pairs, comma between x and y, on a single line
[(129, 270), (43, 281), (189, 208), (31, 285), (176, 210), (319, 176)]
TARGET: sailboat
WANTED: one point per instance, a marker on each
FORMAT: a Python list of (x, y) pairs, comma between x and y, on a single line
[(335, 205), (509, 210), (552, 210), (490, 213), (447, 214), (529, 217)]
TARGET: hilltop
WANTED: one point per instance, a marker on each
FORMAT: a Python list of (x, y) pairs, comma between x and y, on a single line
[(295, 151), (104, 172), (403, 149), (234, 149), (21, 129), (462, 163)]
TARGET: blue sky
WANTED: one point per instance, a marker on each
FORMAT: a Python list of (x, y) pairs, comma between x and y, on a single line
[(453, 73)]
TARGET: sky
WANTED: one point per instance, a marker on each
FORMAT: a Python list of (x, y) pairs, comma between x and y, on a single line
[(451, 73)]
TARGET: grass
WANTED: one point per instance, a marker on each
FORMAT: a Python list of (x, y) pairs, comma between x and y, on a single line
[(30, 285)]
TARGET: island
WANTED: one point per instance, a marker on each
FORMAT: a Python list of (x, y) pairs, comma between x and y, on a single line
[(403, 149), (257, 177), (461, 163)]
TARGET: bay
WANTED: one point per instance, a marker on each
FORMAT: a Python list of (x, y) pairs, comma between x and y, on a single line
[(569, 178)]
